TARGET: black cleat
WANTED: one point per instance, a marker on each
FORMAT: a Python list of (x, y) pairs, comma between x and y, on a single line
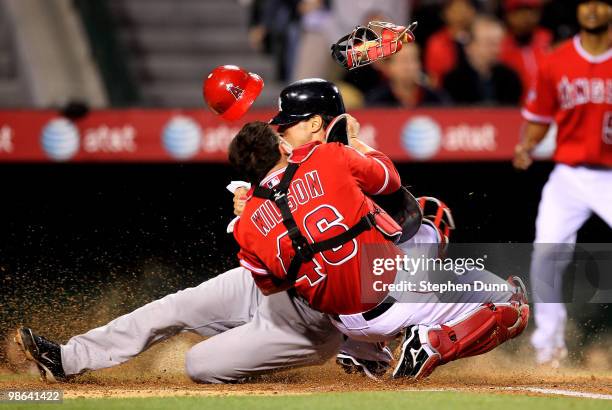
[(417, 360), (374, 369), (45, 353)]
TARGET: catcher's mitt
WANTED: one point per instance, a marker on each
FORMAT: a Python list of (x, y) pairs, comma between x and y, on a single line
[(336, 130), (404, 208)]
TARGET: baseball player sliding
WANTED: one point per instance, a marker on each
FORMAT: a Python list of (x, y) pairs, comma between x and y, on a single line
[(308, 222), (282, 330), (573, 89)]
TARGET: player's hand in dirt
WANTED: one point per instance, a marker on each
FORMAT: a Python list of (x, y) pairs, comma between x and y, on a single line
[(352, 130), (522, 157), (239, 201)]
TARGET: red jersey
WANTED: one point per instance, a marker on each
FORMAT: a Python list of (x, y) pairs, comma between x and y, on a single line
[(526, 59), (326, 197), (574, 89), (440, 55)]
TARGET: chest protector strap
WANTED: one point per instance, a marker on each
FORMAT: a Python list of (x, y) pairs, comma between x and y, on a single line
[(305, 251)]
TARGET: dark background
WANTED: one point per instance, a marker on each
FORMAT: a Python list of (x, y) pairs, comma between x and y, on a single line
[(72, 234)]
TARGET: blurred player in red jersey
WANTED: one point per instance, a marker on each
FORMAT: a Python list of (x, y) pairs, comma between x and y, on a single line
[(308, 224), (444, 49), (573, 89), (525, 43)]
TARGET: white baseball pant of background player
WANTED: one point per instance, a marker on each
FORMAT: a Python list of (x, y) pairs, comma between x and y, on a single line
[(569, 198)]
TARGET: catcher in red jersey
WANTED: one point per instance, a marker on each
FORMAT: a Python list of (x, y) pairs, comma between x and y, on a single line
[(329, 194), (573, 89), (305, 224)]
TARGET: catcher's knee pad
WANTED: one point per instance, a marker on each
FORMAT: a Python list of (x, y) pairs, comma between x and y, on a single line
[(478, 331)]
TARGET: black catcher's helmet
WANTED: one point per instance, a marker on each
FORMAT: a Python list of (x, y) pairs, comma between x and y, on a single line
[(305, 98)]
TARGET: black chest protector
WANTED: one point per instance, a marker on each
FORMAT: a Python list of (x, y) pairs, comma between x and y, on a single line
[(305, 251)]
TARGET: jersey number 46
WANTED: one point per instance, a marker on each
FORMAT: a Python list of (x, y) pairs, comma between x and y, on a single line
[(322, 223)]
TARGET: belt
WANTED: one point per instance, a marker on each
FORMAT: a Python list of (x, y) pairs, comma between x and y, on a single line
[(595, 167), (376, 311)]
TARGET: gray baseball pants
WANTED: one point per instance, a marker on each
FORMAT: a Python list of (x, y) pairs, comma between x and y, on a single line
[(253, 333)]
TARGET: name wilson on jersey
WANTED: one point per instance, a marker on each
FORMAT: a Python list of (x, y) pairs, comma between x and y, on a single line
[(267, 216)]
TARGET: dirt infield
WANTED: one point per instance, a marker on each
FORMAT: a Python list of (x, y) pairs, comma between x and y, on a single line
[(159, 373)]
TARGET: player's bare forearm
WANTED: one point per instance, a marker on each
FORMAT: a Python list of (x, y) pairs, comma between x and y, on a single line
[(239, 201), (373, 170), (533, 134), (352, 129)]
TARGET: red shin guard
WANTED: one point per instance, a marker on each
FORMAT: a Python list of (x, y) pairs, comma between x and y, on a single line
[(477, 332)]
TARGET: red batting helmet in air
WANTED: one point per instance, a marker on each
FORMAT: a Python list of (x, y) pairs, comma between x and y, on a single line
[(230, 91)]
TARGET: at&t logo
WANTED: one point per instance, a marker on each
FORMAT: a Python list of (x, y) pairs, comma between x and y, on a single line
[(60, 139), (182, 137)]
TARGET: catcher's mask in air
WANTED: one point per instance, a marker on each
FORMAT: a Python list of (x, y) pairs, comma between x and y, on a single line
[(367, 44)]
